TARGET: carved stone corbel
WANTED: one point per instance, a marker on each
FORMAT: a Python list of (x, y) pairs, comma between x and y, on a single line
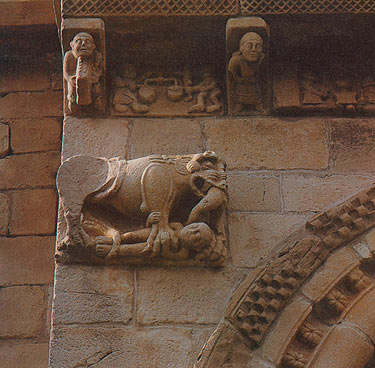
[(248, 84), (83, 42), (146, 210)]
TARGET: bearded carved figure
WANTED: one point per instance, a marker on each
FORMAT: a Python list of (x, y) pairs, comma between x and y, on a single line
[(155, 207)]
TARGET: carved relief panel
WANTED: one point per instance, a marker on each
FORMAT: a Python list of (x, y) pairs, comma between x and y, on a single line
[(148, 210), (167, 91), (335, 89)]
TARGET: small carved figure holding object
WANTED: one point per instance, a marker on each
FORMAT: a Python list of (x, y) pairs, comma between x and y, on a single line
[(207, 90), (125, 95), (83, 69)]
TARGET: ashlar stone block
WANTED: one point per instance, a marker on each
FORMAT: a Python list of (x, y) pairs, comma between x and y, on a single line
[(22, 311), (26, 260), (253, 237), (24, 355), (269, 143), (33, 212), (184, 295), (93, 294), (114, 347)]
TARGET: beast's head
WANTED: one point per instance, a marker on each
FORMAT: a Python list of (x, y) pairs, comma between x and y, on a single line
[(206, 171)]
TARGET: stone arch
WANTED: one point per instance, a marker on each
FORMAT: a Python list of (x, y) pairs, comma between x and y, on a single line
[(317, 292)]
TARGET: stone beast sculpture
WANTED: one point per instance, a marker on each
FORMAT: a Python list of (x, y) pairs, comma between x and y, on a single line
[(153, 186)]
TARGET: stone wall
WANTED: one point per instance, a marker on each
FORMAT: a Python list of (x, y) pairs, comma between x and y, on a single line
[(30, 141), (280, 172)]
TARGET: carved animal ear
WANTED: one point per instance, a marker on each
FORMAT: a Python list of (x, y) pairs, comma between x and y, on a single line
[(193, 166)]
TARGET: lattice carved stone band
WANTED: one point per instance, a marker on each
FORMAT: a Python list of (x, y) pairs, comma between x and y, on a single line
[(89, 8), (262, 7), (82, 8)]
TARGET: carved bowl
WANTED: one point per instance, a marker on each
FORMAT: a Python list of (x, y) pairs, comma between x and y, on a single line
[(147, 95), (175, 93)]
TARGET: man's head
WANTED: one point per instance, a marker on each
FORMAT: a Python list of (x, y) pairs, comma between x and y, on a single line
[(83, 44), (251, 46), (196, 236)]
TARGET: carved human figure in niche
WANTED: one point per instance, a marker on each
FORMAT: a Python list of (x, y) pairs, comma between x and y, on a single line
[(137, 190), (208, 92), (243, 68), (196, 238), (83, 69), (125, 96)]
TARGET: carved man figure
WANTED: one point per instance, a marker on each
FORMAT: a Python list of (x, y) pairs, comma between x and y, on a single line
[(83, 68), (208, 92), (195, 238), (243, 68), (125, 95)]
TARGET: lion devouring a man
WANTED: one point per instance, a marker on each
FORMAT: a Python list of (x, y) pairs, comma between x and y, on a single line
[(156, 206)]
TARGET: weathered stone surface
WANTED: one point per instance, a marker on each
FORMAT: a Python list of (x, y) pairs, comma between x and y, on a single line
[(31, 104), (26, 260), (26, 13), (32, 78), (352, 145), (120, 347), (254, 193), (257, 362), (269, 143), (345, 346), (291, 318), (95, 137), (4, 213), (225, 347), (253, 237), (332, 269), (362, 315), (93, 294), (24, 355), (184, 295), (33, 212), (35, 135), (314, 193), (4, 139), (29, 170), (165, 137), (22, 311), (57, 81), (199, 338), (370, 240)]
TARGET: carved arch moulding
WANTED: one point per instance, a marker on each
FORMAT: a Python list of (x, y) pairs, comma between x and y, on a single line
[(311, 306)]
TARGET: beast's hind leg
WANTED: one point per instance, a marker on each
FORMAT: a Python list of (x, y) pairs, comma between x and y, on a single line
[(77, 178)]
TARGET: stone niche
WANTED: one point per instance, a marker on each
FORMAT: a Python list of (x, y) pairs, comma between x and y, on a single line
[(155, 148)]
